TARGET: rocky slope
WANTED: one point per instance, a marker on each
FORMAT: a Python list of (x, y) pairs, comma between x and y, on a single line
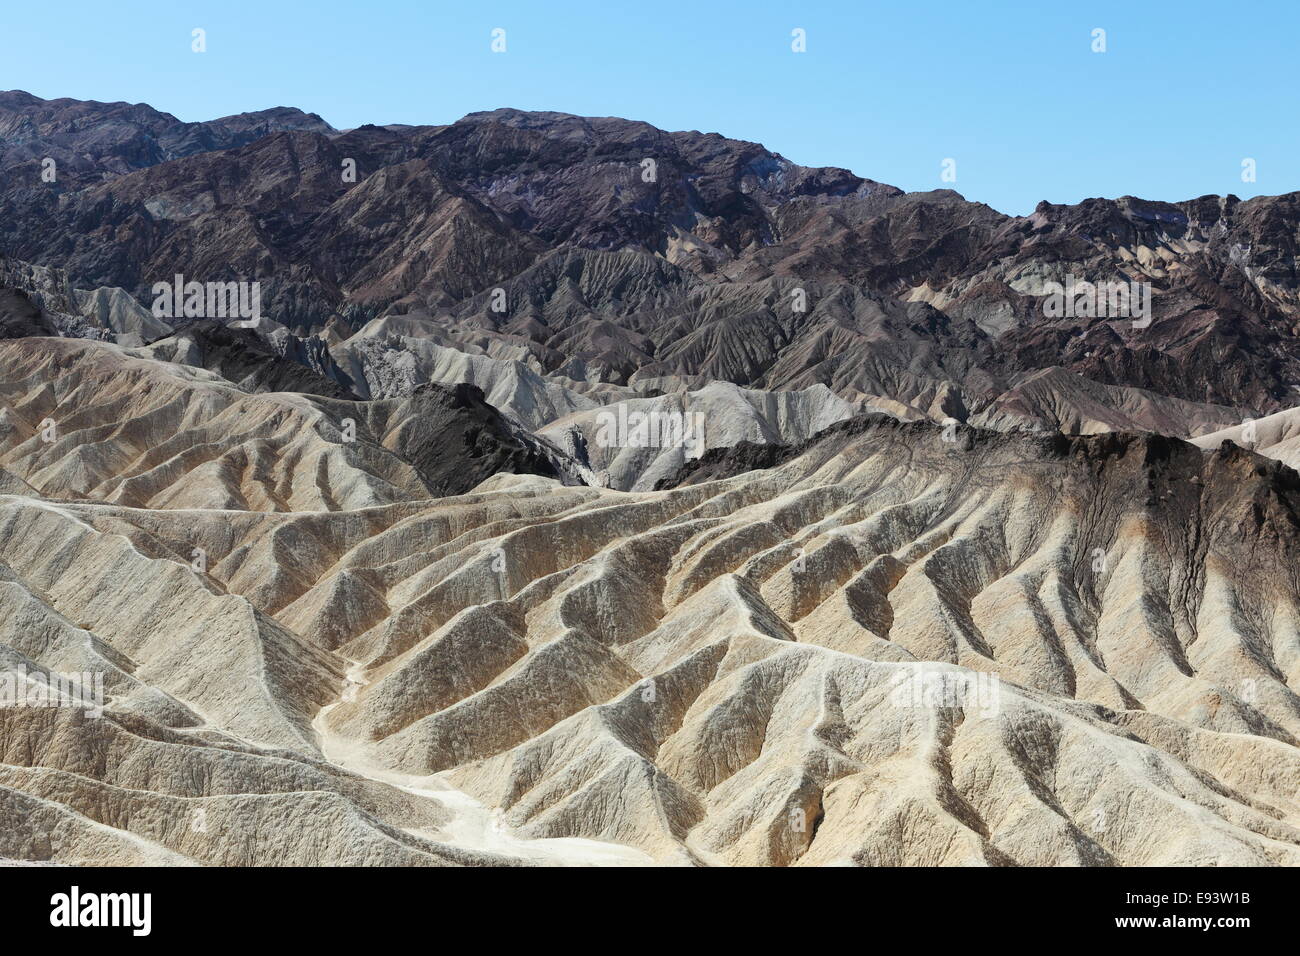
[(242, 357), (623, 441), (88, 420), (1276, 436), (900, 644), (367, 582), (720, 261)]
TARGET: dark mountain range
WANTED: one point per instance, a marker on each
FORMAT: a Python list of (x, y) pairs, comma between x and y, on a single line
[(626, 254)]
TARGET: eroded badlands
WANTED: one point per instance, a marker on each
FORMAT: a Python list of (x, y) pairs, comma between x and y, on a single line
[(889, 648)]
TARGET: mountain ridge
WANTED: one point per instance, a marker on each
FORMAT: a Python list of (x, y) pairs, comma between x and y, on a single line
[(940, 296)]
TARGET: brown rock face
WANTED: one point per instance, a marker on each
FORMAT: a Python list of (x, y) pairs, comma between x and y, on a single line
[(623, 251)]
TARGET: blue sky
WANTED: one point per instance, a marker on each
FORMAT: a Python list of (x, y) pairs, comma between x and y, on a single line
[(1011, 90)]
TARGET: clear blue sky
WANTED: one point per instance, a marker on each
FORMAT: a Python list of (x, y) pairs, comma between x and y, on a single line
[(1011, 90)]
